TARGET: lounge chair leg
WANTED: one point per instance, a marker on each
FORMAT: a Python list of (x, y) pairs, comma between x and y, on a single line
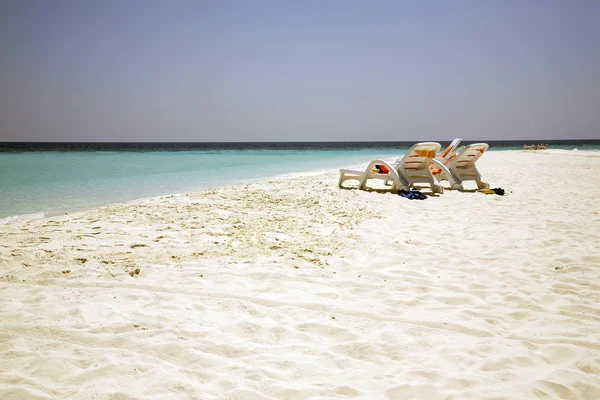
[(480, 183), (483, 185)]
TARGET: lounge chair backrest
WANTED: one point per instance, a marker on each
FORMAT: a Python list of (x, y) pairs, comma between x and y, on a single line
[(467, 156), (419, 156), (450, 150)]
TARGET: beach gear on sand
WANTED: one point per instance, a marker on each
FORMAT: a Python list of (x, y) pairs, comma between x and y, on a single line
[(413, 194), (412, 168), (498, 191), (371, 172), (440, 163), (450, 151), (462, 167)]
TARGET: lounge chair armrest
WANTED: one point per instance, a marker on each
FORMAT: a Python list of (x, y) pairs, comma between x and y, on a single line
[(454, 181), (438, 163)]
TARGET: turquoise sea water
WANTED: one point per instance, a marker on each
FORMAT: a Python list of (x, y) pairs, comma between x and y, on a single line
[(56, 182), (38, 183)]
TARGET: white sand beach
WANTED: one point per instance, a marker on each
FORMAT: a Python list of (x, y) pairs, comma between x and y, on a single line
[(295, 289)]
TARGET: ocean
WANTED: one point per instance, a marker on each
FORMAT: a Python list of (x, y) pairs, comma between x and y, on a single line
[(44, 179)]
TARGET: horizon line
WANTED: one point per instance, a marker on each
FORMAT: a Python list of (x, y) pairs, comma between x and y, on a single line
[(290, 141)]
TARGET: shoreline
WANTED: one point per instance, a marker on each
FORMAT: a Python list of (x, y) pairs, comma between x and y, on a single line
[(275, 176), (36, 215), (315, 172), (293, 288)]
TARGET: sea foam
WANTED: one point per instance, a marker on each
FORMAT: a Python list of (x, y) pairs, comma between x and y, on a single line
[(22, 217)]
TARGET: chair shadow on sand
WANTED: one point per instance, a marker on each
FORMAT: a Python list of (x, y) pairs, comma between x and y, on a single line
[(425, 189)]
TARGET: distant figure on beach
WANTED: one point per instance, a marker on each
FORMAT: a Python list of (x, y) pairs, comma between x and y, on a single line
[(542, 146)]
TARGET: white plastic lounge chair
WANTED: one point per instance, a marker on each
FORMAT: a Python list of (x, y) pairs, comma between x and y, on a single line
[(412, 168), (371, 173), (450, 151), (439, 166), (462, 167)]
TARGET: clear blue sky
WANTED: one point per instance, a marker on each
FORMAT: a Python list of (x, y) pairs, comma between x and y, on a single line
[(112, 70)]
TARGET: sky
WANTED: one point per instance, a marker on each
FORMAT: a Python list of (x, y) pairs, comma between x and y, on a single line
[(288, 70)]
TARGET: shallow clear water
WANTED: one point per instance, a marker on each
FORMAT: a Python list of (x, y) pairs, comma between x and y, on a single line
[(49, 178), (55, 182)]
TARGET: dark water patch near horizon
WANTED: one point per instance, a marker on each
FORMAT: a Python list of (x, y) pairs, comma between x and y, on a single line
[(17, 147)]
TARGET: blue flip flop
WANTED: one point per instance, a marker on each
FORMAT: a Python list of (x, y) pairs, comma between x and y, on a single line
[(412, 194)]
